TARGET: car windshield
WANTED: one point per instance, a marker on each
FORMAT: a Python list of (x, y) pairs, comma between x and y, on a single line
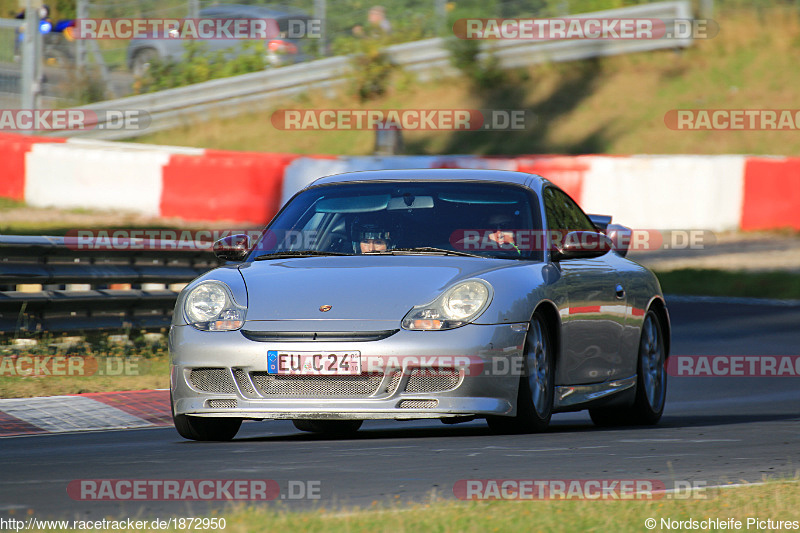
[(399, 218)]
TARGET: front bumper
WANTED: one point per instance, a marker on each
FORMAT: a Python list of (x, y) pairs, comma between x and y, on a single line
[(468, 371)]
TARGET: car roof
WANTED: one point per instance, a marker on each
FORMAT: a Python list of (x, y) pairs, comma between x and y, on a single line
[(531, 181)]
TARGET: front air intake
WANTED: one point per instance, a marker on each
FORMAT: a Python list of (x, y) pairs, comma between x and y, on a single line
[(212, 380), (417, 404)]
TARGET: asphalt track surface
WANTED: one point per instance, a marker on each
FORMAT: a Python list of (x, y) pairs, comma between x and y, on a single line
[(714, 431)]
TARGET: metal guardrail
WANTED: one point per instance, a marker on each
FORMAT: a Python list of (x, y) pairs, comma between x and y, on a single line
[(428, 59), (10, 24), (49, 284)]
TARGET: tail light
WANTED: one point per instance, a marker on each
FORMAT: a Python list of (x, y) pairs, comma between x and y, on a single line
[(280, 46)]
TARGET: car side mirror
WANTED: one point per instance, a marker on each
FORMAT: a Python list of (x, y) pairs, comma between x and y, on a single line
[(232, 247), (621, 238), (581, 245)]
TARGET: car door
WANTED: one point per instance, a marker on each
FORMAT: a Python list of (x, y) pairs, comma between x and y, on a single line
[(219, 44), (592, 322)]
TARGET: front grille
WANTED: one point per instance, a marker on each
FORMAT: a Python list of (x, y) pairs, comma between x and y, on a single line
[(394, 381), (432, 380), (317, 386), (243, 381), (318, 336), (417, 404), (222, 404), (212, 380)]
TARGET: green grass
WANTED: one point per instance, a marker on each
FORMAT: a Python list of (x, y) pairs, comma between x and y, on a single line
[(775, 500), (8, 203), (782, 285), (57, 228), (18, 219), (105, 366)]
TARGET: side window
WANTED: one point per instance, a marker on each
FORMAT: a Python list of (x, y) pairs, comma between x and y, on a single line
[(563, 213)]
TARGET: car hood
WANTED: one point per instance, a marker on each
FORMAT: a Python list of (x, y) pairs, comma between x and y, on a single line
[(377, 289)]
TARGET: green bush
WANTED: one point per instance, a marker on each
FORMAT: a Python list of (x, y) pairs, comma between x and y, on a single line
[(198, 65), (85, 85), (484, 75)]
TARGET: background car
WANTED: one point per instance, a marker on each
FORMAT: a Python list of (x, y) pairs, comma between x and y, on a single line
[(278, 49), (481, 294)]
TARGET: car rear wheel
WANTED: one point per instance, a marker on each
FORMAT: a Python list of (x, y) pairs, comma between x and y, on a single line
[(328, 427), (537, 385), (651, 382), (142, 60)]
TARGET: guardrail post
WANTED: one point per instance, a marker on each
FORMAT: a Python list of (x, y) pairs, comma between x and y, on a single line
[(194, 9), (31, 58), (320, 9), (82, 12), (706, 9), (441, 17)]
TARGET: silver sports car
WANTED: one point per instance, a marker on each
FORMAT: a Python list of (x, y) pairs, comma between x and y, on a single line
[(408, 294)]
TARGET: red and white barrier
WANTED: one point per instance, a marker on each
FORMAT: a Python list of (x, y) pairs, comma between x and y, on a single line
[(666, 192), (725, 192), (771, 193), (13, 149), (649, 192), (70, 175)]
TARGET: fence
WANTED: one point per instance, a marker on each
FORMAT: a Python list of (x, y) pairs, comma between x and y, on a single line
[(48, 284)]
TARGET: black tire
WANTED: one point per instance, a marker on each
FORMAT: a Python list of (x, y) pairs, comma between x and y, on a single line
[(141, 61), (328, 427), (536, 387), (651, 382), (205, 428)]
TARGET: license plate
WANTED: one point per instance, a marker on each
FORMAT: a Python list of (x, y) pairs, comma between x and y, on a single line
[(313, 363)]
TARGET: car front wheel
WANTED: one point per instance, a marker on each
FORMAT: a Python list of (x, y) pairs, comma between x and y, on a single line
[(208, 429), (204, 428), (537, 385)]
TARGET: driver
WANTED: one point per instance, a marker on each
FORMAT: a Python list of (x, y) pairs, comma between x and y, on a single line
[(371, 238), (503, 233)]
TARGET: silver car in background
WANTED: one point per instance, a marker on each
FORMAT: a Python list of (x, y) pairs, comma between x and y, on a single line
[(279, 47), (410, 294)]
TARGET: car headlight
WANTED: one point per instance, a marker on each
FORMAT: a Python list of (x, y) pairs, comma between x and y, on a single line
[(460, 304), (209, 306)]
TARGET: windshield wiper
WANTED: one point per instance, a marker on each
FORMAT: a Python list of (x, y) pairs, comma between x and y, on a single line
[(422, 250), (295, 253)]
